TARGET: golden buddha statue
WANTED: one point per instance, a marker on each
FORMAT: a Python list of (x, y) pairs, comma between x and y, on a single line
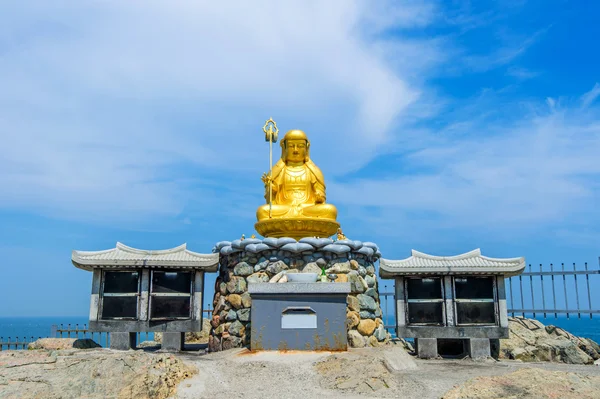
[(297, 189)]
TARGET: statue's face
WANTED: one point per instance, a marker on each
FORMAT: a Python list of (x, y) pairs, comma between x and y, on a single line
[(295, 150)]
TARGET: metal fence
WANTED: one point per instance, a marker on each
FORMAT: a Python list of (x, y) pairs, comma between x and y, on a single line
[(549, 290), (16, 342)]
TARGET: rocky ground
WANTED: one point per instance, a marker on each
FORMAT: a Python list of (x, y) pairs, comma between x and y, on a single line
[(58, 370), (91, 373), (530, 340)]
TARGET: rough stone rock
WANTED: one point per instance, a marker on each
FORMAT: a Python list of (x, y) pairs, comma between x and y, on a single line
[(355, 339), (276, 267), (372, 293), (215, 321), (366, 327), (311, 268), (362, 271), (236, 328), (530, 340), (370, 280), (231, 315), (260, 277), (372, 340), (283, 279), (353, 303), (63, 343), (321, 262), (235, 300), (365, 314), (370, 270), (90, 374), (352, 320), (219, 330), (341, 278), (214, 344), (246, 300), (237, 285), (354, 264), (223, 288), (261, 265), (339, 267), (243, 314), (276, 277), (243, 269), (366, 302), (379, 322), (380, 332), (364, 283), (220, 305), (529, 383), (231, 342), (356, 286)]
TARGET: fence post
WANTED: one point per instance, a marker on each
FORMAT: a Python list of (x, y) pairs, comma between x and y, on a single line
[(576, 292), (587, 280), (543, 295), (53, 332), (565, 289)]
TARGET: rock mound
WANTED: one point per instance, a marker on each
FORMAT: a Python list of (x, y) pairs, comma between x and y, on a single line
[(63, 343), (531, 341), (529, 383), (89, 374)]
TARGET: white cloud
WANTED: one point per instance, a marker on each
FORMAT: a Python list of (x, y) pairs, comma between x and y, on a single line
[(104, 102), (531, 172)]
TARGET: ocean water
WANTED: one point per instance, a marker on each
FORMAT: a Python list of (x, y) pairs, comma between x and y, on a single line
[(28, 327), (31, 328)]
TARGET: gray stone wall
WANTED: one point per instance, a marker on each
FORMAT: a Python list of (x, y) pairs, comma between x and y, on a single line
[(269, 260)]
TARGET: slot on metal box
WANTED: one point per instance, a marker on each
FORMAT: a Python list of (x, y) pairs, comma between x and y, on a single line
[(298, 317)]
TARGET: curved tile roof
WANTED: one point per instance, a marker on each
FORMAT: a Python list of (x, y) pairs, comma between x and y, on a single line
[(468, 263), (124, 256)]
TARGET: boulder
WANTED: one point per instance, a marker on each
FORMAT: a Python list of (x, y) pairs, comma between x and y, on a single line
[(246, 300), (237, 285), (531, 341), (276, 267), (352, 320), (353, 303), (355, 339), (259, 277), (366, 302), (235, 300), (243, 269), (311, 267), (366, 327), (63, 343)]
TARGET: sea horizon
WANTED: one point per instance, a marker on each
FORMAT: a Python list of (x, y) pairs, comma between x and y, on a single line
[(41, 326)]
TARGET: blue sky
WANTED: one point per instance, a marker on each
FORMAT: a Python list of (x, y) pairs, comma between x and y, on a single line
[(439, 126)]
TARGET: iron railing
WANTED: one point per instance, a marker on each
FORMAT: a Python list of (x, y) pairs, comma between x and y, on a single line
[(558, 302), (16, 343)]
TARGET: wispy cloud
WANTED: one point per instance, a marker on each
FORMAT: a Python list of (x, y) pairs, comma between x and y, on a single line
[(104, 103), (537, 170)]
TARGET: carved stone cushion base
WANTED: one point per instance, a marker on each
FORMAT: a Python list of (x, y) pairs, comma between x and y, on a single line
[(297, 227)]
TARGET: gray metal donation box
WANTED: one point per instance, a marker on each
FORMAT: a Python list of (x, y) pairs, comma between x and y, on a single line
[(298, 316)]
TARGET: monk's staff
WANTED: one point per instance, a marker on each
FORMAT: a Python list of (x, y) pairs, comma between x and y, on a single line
[(270, 129)]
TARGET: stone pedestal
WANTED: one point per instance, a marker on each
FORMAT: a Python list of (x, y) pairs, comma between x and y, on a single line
[(123, 340), (243, 262), (173, 341), (426, 348), (479, 348), (299, 316)]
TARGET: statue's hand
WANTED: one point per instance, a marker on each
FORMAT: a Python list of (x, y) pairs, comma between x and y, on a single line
[(266, 178), (320, 197)]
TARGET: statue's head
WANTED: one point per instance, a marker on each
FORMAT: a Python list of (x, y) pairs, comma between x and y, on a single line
[(295, 147)]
